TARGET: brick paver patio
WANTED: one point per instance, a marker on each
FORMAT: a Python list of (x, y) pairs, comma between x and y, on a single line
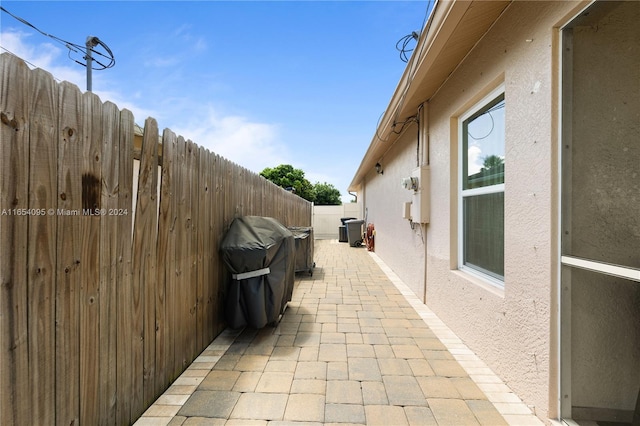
[(355, 346)]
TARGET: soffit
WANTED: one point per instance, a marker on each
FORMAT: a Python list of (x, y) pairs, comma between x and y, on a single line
[(454, 29)]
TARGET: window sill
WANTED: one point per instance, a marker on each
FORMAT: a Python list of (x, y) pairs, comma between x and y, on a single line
[(482, 282)]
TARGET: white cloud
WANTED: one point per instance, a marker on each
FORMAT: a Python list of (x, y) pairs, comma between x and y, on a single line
[(47, 56), (43, 56), (474, 162), (195, 42), (250, 144), (122, 101)]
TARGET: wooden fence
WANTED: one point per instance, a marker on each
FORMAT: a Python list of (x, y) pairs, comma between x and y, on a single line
[(102, 308)]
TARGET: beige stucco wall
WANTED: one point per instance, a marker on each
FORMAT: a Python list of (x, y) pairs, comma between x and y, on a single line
[(509, 329), (397, 243)]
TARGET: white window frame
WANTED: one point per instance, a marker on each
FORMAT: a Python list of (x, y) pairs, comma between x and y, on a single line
[(493, 189)]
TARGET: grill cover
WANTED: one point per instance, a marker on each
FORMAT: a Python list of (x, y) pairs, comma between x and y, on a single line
[(264, 246)]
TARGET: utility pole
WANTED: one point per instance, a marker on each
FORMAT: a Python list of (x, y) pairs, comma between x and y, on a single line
[(91, 43)]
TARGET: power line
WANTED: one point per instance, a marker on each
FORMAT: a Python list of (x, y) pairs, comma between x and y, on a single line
[(402, 44), (412, 66), (76, 48), (493, 123), (405, 42), (67, 44), (25, 61), (430, 5)]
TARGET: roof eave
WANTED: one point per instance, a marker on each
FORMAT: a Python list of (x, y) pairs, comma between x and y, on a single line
[(453, 29)]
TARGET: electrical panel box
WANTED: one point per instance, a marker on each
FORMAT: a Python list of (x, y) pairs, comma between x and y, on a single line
[(406, 210), (421, 203)]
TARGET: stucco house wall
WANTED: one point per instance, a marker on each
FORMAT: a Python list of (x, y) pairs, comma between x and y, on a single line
[(397, 243), (508, 328)]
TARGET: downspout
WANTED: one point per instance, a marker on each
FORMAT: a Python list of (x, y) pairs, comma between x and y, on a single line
[(423, 136), (353, 195)]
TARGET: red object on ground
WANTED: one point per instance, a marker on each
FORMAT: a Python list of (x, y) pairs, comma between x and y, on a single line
[(369, 237)]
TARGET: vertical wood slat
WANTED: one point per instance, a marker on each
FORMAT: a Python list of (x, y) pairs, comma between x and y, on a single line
[(218, 174), (171, 163), (42, 246), (164, 257), (198, 183), (69, 259), (199, 237), (238, 178), (181, 255), (124, 272), (189, 279), (191, 289), (229, 198), (14, 144), (186, 290), (210, 248), (144, 265), (109, 280), (90, 149)]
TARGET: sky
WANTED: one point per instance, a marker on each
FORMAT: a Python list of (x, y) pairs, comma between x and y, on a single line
[(261, 83)]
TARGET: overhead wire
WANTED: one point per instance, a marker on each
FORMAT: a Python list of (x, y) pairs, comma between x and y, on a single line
[(412, 64), (73, 47), (67, 44), (27, 62), (405, 42), (430, 4), (378, 127), (493, 123), (412, 119), (403, 124)]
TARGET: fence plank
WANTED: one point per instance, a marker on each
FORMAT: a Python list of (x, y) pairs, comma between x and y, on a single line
[(124, 276), (42, 246), (110, 142), (161, 256), (181, 255), (69, 259), (170, 164), (210, 249), (198, 237), (91, 184), (14, 145), (220, 291), (144, 265), (190, 278)]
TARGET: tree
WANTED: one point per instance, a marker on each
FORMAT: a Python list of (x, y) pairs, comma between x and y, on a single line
[(326, 195), (290, 179), (492, 162)]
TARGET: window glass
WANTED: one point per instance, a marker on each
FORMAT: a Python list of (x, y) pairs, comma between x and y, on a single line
[(483, 139), (482, 189), (484, 233)]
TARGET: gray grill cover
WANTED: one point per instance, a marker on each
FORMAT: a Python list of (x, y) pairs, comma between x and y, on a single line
[(253, 243)]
